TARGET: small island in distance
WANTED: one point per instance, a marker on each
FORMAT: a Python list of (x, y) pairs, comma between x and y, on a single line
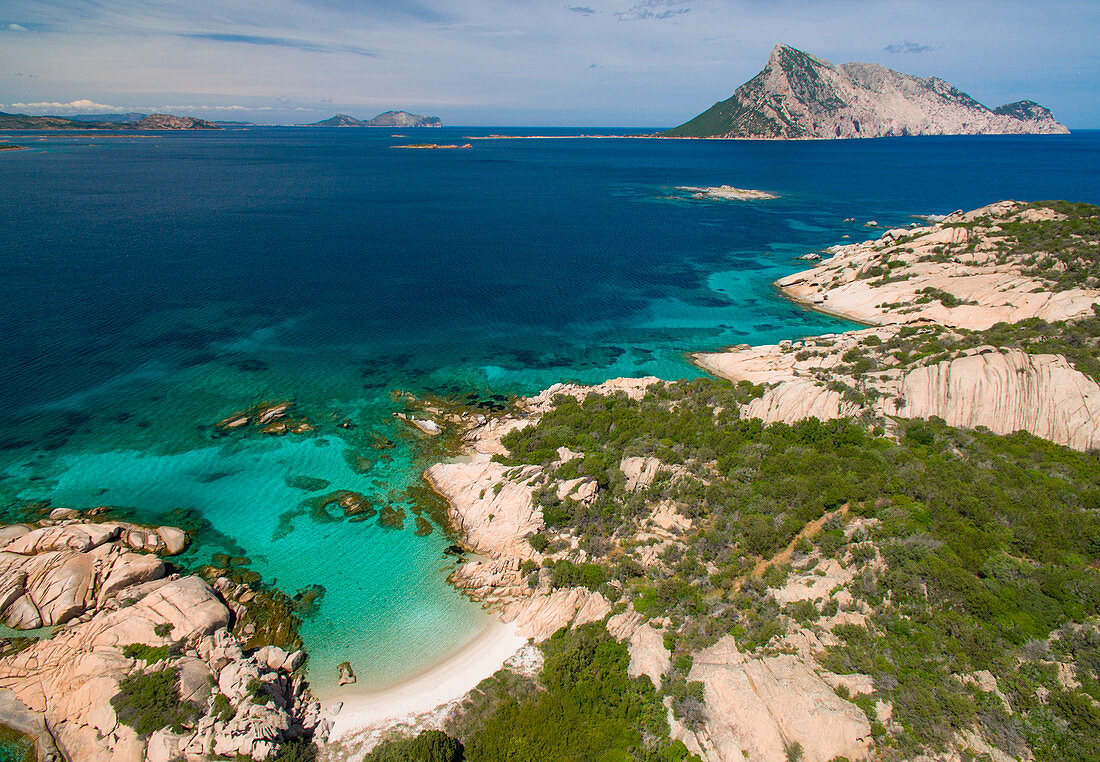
[(401, 119), (798, 95), (137, 121)]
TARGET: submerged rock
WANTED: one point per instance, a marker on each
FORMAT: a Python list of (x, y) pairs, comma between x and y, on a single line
[(307, 601), (360, 464), (307, 483), (273, 418), (392, 518)]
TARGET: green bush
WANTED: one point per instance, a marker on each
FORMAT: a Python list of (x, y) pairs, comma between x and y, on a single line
[(298, 750), (427, 746), (567, 574), (149, 654), (149, 701), (223, 709), (591, 708)]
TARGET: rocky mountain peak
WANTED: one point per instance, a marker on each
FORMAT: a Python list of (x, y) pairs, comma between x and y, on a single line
[(798, 95)]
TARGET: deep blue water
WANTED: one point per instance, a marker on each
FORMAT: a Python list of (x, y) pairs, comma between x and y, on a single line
[(152, 283)]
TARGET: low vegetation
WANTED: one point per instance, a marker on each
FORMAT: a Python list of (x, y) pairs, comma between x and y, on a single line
[(971, 553), (149, 701), (148, 654), (584, 706), (1078, 341), (1064, 252)]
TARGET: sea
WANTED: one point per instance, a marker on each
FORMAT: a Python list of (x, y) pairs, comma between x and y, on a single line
[(153, 283)]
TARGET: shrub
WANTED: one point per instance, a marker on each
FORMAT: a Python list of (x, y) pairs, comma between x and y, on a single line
[(591, 709), (427, 746), (298, 750), (222, 709), (149, 701), (149, 654)]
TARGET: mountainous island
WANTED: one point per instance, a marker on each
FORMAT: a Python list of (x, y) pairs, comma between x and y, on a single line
[(110, 122), (798, 95), (398, 119)]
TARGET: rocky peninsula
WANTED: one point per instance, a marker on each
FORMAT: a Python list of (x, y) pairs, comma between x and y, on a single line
[(934, 293), (753, 558), (137, 661)]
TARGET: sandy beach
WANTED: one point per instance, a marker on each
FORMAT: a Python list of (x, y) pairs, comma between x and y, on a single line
[(448, 680)]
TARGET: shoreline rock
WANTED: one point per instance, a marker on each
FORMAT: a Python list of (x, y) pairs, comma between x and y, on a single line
[(123, 616), (953, 272)]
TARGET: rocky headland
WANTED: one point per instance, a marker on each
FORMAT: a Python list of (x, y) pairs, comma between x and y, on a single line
[(875, 574), (984, 320), (137, 661), (798, 95), (935, 294)]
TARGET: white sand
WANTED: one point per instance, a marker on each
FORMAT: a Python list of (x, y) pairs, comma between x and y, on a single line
[(446, 681)]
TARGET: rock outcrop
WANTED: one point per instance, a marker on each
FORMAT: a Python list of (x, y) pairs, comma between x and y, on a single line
[(492, 507), (761, 707), (119, 615), (958, 272), (798, 95), (1005, 391)]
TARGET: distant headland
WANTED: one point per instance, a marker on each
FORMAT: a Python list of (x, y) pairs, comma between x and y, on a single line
[(798, 95), (105, 122)]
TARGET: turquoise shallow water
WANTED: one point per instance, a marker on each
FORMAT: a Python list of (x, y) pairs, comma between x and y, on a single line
[(153, 284)]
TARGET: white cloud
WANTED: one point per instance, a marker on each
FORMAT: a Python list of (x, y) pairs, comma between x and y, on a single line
[(91, 107), (76, 106), (16, 28), (651, 9), (205, 108)]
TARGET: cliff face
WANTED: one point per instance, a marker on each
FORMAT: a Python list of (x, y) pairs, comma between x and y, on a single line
[(798, 95)]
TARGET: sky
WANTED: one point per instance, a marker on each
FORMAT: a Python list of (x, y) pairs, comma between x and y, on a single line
[(594, 63)]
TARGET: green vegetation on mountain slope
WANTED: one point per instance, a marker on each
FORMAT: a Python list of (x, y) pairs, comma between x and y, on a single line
[(584, 707), (970, 552)]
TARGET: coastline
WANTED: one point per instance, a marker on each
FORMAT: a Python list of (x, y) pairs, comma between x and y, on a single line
[(365, 715)]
